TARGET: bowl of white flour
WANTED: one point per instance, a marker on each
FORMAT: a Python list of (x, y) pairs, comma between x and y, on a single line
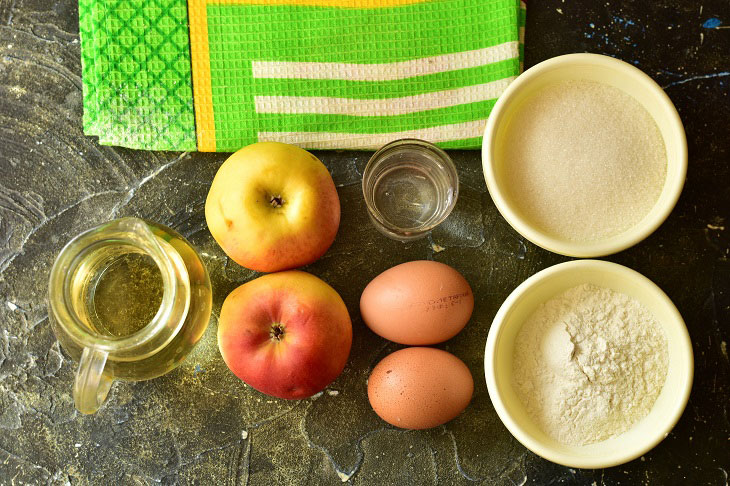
[(584, 155), (588, 364)]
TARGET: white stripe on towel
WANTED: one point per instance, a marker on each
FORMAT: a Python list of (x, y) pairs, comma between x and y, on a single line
[(385, 71), (373, 141), (382, 107)]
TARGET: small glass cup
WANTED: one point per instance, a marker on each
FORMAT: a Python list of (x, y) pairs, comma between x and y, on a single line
[(410, 187)]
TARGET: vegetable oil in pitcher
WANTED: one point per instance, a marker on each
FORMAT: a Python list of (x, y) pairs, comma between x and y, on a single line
[(134, 292), (125, 295)]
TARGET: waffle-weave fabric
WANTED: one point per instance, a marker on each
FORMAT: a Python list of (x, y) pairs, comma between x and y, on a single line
[(322, 74)]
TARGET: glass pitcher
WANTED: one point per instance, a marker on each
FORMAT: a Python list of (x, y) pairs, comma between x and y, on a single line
[(128, 300)]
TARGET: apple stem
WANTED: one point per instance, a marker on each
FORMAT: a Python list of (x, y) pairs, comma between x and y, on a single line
[(276, 201), (277, 331)]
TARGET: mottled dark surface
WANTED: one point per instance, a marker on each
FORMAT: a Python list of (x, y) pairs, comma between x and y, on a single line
[(199, 424)]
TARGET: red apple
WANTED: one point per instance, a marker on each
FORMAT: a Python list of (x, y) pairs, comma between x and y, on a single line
[(286, 334), (273, 206)]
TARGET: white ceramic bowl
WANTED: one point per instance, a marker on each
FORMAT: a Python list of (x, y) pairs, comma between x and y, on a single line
[(603, 69), (541, 287)]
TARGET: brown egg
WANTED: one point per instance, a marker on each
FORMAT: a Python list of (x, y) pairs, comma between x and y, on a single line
[(420, 388), (417, 303)]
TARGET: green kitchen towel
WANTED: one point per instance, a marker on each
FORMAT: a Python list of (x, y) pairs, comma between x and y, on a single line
[(333, 74), (135, 58)]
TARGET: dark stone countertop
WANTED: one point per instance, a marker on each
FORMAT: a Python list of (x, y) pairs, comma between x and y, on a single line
[(199, 424)]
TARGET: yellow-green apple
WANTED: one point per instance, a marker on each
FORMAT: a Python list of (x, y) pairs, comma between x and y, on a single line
[(287, 334), (273, 206)]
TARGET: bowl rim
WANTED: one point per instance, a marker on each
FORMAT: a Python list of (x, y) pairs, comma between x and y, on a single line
[(638, 448), (615, 243)]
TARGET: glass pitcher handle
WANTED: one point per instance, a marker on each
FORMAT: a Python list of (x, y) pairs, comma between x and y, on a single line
[(92, 385)]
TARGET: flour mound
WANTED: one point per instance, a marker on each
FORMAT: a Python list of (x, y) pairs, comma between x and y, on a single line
[(589, 364)]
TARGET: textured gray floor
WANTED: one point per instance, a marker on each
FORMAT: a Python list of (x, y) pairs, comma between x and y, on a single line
[(200, 424)]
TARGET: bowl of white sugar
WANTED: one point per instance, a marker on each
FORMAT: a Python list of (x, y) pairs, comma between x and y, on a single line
[(588, 364), (584, 155)]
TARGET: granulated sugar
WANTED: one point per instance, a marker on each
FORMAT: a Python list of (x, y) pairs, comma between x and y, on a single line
[(589, 364), (584, 160)]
